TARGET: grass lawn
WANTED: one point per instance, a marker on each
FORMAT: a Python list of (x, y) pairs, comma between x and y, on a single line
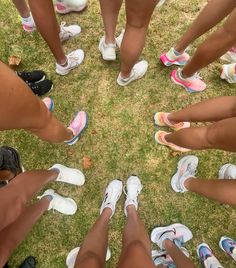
[(119, 138)]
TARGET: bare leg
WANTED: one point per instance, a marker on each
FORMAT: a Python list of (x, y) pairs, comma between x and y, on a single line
[(93, 250), (26, 111), (212, 14), (136, 252), (138, 16), (15, 195), (45, 19), (22, 8), (110, 11), (180, 260), (222, 191), (219, 135), (207, 111), (16, 232), (213, 47)]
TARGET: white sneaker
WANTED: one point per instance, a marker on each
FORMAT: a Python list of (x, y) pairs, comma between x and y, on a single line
[(71, 257), (66, 206), (178, 233), (108, 51), (133, 189), (137, 72), (227, 171), (187, 167), (160, 3), (28, 24), (119, 39), (67, 6), (74, 59), (112, 195), (69, 175), (68, 32)]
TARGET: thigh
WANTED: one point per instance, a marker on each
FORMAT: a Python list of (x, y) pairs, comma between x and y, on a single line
[(221, 135), (135, 256), (139, 12), (19, 107)]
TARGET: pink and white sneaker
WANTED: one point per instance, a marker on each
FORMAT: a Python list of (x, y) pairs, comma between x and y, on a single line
[(161, 119), (229, 73), (67, 6), (169, 58), (48, 103), (192, 84), (160, 139), (77, 126), (28, 24)]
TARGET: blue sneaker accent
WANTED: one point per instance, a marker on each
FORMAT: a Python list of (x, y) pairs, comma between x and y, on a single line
[(227, 245), (204, 252)]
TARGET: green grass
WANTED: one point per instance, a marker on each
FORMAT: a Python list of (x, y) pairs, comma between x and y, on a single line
[(119, 138)]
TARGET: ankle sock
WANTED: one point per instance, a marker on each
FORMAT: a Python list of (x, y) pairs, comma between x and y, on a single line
[(49, 197), (28, 19)]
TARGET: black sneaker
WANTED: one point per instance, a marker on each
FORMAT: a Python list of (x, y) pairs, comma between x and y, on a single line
[(42, 87), (29, 262), (10, 160), (32, 77)]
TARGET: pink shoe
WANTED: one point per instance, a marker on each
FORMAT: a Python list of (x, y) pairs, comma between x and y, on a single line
[(64, 7), (49, 103), (191, 84), (161, 119), (169, 58), (160, 138), (77, 126)]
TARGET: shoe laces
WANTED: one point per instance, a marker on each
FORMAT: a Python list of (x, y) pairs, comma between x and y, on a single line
[(128, 194), (65, 31), (197, 76), (191, 168), (34, 86), (72, 56)]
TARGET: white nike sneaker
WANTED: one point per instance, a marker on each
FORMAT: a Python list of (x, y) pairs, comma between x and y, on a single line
[(137, 72), (227, 171), (112, 195), (119, 39), (71, 257), (68, 32), (187, 167), (74, 59), (133, 189), (177, 233), (108, 51), (66, 206), (69, 175)]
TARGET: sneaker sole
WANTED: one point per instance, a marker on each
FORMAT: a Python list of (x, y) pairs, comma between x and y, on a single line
[(76, 138), (187, 234), (175, 177), (220, 243), (198, 249), (182, 85)]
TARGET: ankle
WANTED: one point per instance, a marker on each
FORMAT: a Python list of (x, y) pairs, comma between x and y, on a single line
[(170, 118), (110, 40), (178, 51), (187, 183), (63, 62), (125, 75), (106, 213), (167, 243)]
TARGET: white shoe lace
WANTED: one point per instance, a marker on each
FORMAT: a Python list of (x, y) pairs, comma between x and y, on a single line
[(65, 32)]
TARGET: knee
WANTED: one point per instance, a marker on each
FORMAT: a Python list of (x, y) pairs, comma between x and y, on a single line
[(210, 136), (137, 23), (135, 248), (91, 259)]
